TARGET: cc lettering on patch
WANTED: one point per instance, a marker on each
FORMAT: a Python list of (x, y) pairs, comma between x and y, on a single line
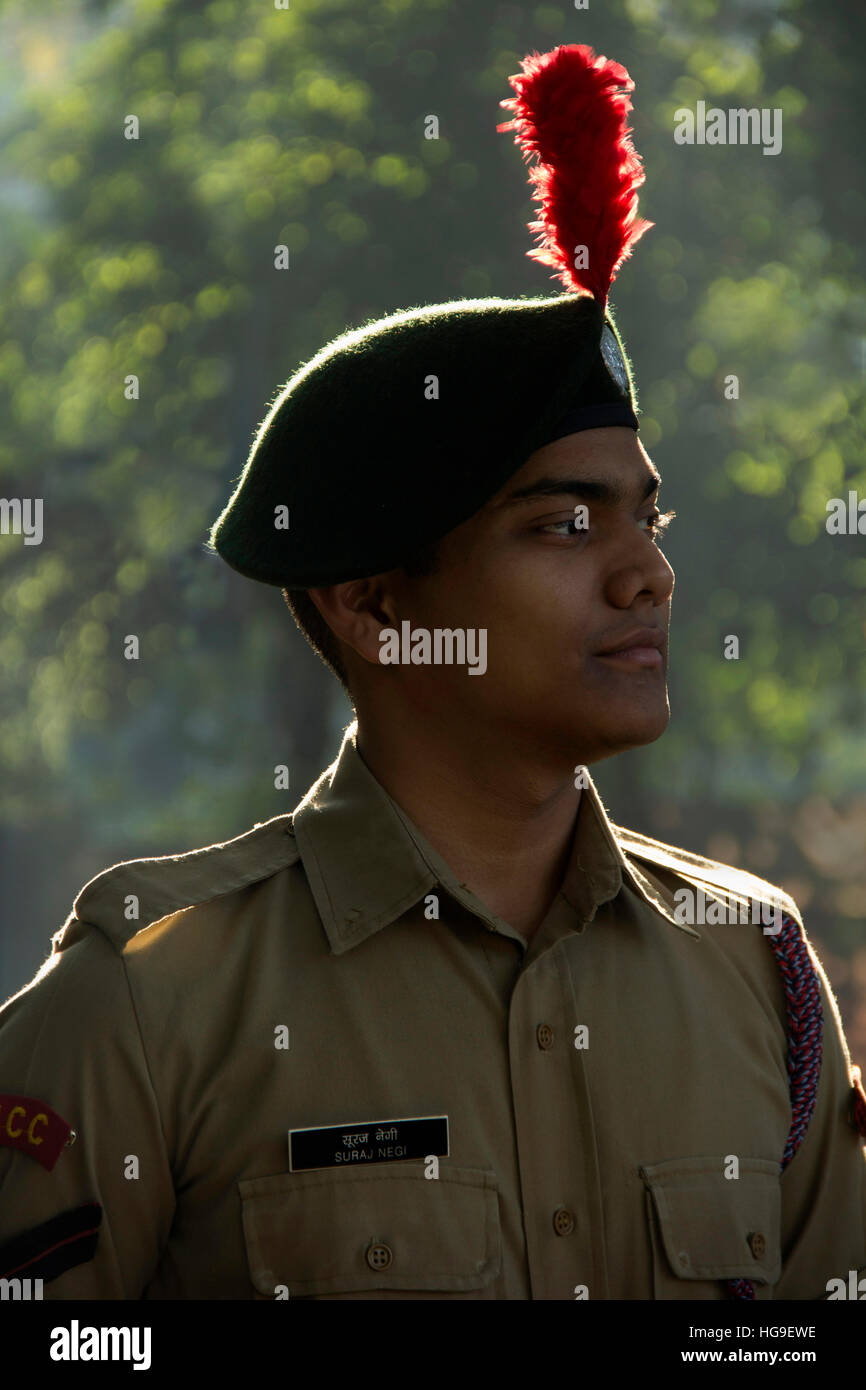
[(33, 1128), (368, 1141)]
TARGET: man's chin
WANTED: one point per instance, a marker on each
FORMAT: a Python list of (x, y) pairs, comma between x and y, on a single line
[(618, 736)]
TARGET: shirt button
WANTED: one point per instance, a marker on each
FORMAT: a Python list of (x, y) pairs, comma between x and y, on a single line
[(563, 1221), (544, 1036), (757, 1245), (379, 1255)]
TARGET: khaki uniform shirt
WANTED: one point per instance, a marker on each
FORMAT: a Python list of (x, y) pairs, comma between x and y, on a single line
[(597, 1082)]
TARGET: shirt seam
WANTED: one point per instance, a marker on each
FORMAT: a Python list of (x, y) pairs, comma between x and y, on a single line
[(147, 1067)]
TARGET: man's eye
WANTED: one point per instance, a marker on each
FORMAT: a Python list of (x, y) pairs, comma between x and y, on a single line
[(659, 522), (577, 530)]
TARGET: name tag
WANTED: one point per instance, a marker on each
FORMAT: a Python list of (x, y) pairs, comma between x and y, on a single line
[(368, 1141)]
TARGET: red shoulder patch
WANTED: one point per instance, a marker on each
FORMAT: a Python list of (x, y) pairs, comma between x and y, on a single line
[(33, 1128), (858, 1101)]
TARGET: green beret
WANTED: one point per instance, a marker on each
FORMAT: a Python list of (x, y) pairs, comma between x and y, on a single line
[(396, 432)]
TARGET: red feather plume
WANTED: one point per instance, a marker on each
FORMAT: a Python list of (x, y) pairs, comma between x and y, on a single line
[(570, 111)]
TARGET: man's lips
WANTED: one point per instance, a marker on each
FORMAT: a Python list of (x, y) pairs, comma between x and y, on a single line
[(641, 647)]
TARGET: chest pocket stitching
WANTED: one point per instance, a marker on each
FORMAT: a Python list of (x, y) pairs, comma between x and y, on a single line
[(710, 1218), (302, 1230)]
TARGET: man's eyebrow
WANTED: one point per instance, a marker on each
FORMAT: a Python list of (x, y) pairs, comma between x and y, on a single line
[(613, 494)]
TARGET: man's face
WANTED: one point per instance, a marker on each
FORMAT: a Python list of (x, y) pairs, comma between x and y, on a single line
[(555, 600)]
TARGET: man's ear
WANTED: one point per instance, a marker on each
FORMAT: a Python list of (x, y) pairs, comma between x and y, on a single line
[(356, 611)]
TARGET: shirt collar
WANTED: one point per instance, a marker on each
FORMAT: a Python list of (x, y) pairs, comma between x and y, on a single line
[(367, 863)]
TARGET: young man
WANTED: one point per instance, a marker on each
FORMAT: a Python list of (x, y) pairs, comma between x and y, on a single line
[(575, 626), (444, 1031)]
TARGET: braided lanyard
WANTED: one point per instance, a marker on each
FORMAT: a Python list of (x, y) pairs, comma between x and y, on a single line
[(805, 1030)]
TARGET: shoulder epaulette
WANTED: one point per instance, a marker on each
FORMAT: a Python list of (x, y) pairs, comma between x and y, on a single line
[(124, 899), (736, 885)]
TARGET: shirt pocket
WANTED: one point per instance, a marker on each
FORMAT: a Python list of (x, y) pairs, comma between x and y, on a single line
[(363, 1232), (706, 1228)]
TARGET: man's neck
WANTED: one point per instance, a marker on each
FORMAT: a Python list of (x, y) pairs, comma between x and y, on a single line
[(502, 821)]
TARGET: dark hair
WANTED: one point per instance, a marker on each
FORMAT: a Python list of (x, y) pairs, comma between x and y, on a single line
[(320, 637)]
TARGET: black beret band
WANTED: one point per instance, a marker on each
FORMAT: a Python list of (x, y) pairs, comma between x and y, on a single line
[(591, 417)]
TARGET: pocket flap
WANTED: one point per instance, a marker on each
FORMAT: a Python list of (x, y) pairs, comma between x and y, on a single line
[(339, 1232), (713, 1227)]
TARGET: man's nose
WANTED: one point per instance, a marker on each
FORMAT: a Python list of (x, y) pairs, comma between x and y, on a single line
[(638, 569)]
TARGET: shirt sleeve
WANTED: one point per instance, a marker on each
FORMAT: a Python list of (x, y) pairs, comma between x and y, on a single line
[(93, 1224), (824, 1185)]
